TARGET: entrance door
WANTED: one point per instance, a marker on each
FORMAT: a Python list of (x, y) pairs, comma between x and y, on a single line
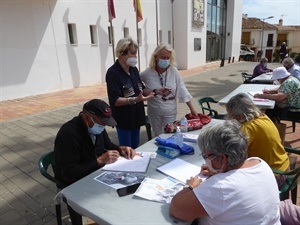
[(269, 54)]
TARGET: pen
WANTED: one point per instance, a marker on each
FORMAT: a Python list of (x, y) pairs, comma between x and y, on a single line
[(250, 94)]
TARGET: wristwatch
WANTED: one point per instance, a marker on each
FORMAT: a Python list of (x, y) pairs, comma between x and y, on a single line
[(154, 90), (189, 187)]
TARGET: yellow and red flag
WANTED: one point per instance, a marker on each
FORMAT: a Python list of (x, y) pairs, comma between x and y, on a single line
[(111, 10), (138, 9)]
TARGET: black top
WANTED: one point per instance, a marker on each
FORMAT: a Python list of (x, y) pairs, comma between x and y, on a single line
[(75, 153), (121, 84)]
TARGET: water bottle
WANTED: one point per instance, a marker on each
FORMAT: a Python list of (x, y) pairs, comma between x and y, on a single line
[(183, 124), (178, 137)]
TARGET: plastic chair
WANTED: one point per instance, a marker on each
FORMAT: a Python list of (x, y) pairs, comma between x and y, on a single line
[(246, 77), (291, 116), (290, 184), (207, 110), (44, 163)]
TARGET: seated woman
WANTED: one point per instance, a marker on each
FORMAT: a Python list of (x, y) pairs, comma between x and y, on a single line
[(287, 94), (261, 68), (239, 189), (263, 137)]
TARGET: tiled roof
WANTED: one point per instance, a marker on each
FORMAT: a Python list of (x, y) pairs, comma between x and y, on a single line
[(255, 23)]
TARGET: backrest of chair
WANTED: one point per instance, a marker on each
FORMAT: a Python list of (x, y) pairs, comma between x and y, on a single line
[(44, 163), (246, 76), (205, 106)]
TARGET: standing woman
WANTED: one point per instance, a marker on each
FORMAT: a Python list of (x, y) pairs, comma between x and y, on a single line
[(125, 93), (163, 78)]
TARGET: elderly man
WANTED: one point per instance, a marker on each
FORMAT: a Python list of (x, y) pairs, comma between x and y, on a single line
[(291, 67), (239, 189), (82, 146), (287, 94)]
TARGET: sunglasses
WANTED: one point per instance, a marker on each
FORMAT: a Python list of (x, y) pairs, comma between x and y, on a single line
[(172, 97)]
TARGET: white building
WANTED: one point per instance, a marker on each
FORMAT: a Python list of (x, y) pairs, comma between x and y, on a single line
[(52, 45)]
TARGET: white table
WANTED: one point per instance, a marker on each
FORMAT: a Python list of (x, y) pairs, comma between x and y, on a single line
[(102, 204), (257, 88), (265, 77)]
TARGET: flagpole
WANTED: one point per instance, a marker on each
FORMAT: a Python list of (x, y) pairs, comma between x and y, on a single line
[(112, 41), (137, 35), (156, 23)]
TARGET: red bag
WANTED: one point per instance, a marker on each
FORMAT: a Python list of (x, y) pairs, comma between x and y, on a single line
[(194, 123)]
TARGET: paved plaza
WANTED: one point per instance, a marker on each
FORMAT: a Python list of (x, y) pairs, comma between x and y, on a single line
[(28, 128)]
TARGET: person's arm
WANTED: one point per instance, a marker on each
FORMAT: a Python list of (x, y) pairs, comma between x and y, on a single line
[(185, 205), (193, 111), (133, 100), (278, 97)]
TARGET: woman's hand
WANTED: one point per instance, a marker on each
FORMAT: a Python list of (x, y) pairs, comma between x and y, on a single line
[(141, 97)]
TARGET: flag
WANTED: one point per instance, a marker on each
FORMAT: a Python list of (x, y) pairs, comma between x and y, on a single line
[(111, 10), (138, 9)]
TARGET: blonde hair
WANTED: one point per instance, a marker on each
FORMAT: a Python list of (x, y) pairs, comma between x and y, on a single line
[(124, 45), (160, 47)]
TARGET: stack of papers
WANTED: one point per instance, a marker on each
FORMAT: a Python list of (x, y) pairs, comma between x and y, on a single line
[(190, 137), (181, 170)]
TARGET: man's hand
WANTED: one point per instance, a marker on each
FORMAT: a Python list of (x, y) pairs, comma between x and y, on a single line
[(194, 181), (108, 157), (127, 152)]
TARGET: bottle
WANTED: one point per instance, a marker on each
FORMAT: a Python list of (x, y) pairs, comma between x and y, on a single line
[(178, 137), (183, 124)]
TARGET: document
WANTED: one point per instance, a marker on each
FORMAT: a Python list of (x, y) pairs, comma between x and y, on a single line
[(139, 164), (181, 170), (159, 190)]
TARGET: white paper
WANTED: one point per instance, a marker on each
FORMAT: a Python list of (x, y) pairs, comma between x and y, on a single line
[(190, 137), (159, 190), (137, 164), (181, 170)]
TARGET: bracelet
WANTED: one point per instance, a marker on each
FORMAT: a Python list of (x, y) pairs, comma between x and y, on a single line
[(189, 187)]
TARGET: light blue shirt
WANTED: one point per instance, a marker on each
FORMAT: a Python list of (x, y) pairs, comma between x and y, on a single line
[(295, 71)]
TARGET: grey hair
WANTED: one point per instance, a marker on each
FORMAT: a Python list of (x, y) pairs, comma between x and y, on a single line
[(161, 46), (124, 45), (241, 105), (263, 60), (225, 138), (288, 62)]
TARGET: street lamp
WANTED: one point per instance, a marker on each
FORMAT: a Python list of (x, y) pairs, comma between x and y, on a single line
[(262, 34)]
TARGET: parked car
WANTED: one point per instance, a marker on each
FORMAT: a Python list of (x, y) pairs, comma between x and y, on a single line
[(246, 53)]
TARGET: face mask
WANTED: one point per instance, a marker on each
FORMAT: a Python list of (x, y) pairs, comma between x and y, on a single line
[(208, 163), (276, 82), (131, 61), (96, 128), (265, 65), (163, 63)]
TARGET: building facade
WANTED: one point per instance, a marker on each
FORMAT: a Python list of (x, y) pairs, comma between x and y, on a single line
[(52, 45)]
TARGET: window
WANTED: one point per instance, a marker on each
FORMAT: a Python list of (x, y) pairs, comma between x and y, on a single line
[(72, 33), (110, 34), (94, 36)]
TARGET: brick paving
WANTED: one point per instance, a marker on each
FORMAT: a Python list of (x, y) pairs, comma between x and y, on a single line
[(29, 125)]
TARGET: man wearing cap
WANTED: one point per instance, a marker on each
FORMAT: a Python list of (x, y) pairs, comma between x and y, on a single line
[(287, 94), (82, 146)]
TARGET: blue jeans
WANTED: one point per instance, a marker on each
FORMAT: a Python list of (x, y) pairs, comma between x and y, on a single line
[(128, 137)]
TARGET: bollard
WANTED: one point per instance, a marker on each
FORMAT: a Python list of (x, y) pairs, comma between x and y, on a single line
[(233, 59), (229, 59), (222, 63)]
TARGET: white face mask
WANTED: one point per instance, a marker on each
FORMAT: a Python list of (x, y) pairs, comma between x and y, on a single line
[(208, 163), (131, 61)]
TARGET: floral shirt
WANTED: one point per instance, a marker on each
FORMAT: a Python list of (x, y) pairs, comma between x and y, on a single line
[(290, 86)]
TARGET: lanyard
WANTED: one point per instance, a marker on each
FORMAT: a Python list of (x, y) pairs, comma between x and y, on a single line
[(161, 78)]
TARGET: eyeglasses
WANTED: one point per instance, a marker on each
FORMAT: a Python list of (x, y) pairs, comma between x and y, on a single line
[(172, 97), (209, 155)]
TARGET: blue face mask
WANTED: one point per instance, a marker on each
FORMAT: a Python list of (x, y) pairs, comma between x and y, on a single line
[(96, 129), (163, 63), (266, 65)]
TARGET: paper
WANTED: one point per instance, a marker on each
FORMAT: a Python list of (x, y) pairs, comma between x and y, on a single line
[(118, 180), (181, 170), (137, 164), (159, 190), (190, 137)]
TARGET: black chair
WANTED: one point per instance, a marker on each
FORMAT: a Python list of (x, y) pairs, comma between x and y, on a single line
[(246, 77), (290, 185), (207, 110), (44, 163), (292, 116)]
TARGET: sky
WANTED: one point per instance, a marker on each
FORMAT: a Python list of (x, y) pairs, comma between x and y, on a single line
[(288, 10)]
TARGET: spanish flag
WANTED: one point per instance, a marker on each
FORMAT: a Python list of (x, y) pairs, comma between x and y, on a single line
[(111, 10), (138, 9)]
